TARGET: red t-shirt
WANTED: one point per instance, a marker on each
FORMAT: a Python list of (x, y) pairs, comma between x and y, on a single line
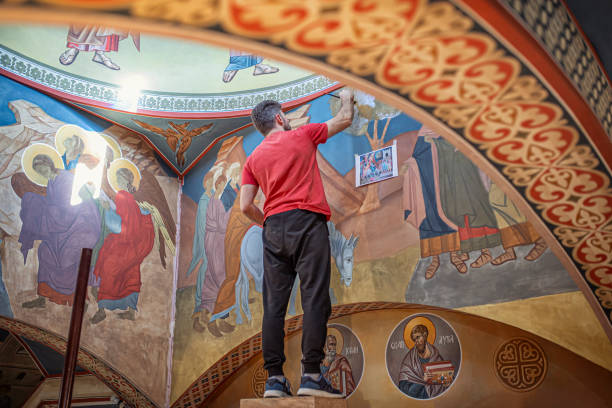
[(285, 167)]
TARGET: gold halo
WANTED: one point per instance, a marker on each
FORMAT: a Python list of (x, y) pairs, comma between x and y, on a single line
[(431, 330), (28, 157), (67, 131), (117, 164), (339, 338), (112, 143)]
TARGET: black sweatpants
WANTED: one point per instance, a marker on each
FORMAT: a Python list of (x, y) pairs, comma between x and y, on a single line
[(295, 241)]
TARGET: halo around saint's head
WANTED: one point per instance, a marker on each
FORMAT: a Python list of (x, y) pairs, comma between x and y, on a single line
[(27, 158), (431, 330), (126, 164), (112, 143), (339, 338), (66, 132)]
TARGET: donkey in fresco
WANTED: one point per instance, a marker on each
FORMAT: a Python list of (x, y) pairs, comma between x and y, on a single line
[(251, 261)]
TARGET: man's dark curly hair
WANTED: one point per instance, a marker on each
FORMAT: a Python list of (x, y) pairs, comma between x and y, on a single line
[(263, 115)]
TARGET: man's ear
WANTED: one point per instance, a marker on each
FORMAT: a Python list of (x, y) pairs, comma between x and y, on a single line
[(278, 119)]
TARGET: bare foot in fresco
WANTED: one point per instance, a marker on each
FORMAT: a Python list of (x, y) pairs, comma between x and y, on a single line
[(229, 75), (508, 255), (129, 315), (262, 69), (67, 57), (464, 256), (98, 317), (37, 303), (456, 260), (537, 251), (197, 326), (100, 58), (433, 267), (484, 258), (225, 326), (212, 328)]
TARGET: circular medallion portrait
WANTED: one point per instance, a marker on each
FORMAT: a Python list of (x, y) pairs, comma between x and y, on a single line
[(343, 362), (423, 356)]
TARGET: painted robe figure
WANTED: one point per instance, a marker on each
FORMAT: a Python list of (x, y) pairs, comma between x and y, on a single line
[(198, 257), (214, 246), (423, 205), (412, 377), (63, 229), (97, 39), (118, 265), (466, 202), (241, 60), (336, 368)]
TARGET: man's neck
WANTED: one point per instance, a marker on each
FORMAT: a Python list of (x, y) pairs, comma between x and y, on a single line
[(276, 130)]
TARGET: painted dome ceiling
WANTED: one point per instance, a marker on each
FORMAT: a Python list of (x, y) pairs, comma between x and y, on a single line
[(180, 95)]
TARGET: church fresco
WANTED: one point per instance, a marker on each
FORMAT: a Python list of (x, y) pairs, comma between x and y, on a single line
[(440, 225), (52, 208), (343, 364), (423, 356), (95, 56)]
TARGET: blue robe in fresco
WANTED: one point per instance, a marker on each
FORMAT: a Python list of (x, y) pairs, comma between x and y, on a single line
[(198, 251)]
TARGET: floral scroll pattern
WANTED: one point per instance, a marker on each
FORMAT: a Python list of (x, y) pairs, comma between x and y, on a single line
[(520, 364), (258, 382), (115, 381)]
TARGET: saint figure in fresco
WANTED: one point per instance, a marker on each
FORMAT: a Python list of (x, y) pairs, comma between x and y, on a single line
[(74, 147), (214, 247), (465, 202), (62, 228), (241, 60), (423, 205), (414, 381), (445, 198), (96, 39), (336, 367), (130, 240), (198, 257), (237, 226)]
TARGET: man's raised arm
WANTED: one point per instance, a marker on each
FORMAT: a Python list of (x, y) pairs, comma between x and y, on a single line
[(247, 203), (344, 117)]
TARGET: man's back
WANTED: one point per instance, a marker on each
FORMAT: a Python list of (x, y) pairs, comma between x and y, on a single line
[(284, 166)]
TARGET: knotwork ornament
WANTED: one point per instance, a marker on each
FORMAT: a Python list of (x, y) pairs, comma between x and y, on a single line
[(520, 364), (258, 381)]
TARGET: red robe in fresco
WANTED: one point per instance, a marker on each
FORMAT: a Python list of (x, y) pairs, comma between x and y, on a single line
[(118, 264)]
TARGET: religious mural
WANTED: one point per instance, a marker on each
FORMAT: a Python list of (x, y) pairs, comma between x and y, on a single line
[(440, 233), (86, 184), (344, 359), (96, 39), (423, 356)]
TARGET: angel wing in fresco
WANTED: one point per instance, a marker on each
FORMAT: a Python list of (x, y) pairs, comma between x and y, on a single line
[(187, 136), (177, 136), (150, 197), (172, 137), (21, 184)]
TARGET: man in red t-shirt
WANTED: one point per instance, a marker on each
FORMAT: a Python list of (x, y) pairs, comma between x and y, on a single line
[(295, 237)]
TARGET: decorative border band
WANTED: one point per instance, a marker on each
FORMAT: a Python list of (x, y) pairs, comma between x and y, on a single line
[(108, 95)]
